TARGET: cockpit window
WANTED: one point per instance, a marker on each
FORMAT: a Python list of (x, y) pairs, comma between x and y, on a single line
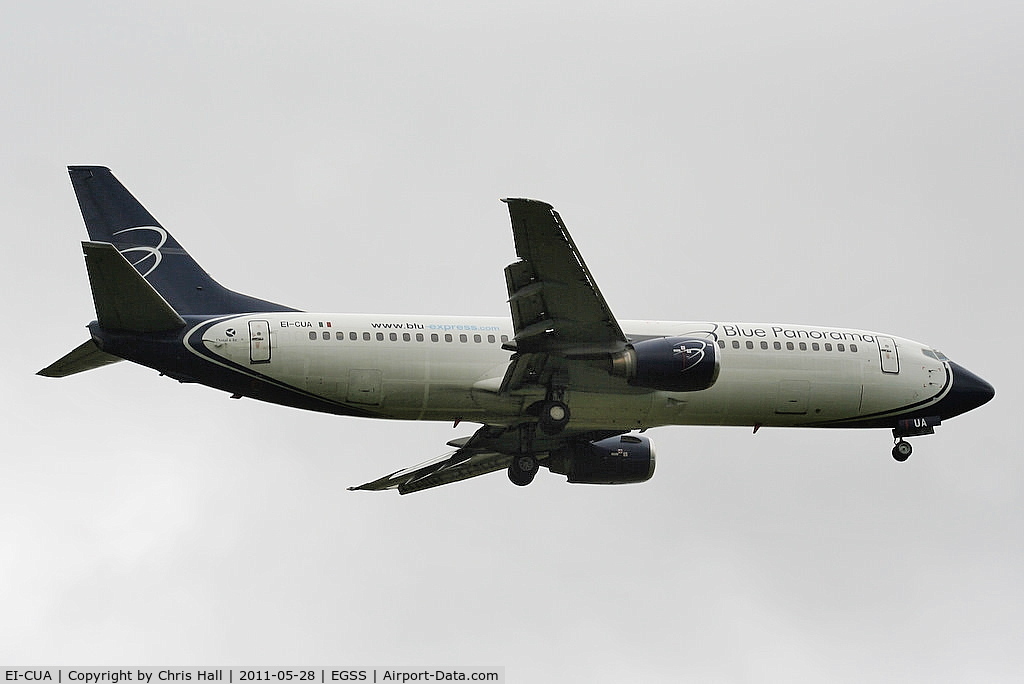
[(935, 354)]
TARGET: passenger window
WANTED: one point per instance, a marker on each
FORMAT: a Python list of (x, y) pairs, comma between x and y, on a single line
[(490, 339), (828, 346), (789, 346), (312, 335), (735, 344), (463, 338), (803, 346), (853, 348), (366, 337), (777, 345), (380, 337), (815, 346), (419, 337), (477, 339), (750, 344), (434, 337), (393, 337), (352, 336), (504, 339), (841, 347), (406, 337), (447, 337), (326, 335), (764, 345)]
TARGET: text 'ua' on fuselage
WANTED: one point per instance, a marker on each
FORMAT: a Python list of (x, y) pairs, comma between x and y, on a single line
[(560, 383)]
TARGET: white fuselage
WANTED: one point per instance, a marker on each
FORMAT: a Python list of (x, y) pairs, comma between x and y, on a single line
[(450, 368)]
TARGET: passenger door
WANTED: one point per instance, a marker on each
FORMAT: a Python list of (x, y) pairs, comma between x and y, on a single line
[(888, 355), (259, 342)]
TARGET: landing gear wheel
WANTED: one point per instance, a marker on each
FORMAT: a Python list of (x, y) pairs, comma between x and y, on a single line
[(522, 469), (554, 416), (901, 452)]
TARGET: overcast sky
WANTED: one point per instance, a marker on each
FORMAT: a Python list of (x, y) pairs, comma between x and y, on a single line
[(845, 164)]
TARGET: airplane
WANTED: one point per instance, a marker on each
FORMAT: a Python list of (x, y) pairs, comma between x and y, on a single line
[(560, 384)]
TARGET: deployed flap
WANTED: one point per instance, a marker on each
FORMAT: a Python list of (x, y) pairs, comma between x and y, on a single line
[(124, 299), (84, 357), (530, 369), (461, 464), (556, 305)]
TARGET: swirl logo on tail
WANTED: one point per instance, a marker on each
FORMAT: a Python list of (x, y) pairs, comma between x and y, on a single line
[(146, 251)]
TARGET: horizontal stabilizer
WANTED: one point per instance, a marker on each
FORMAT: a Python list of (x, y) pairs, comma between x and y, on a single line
[(124, 299), (84, 357)]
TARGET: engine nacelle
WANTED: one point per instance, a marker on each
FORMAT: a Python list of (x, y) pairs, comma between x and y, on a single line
[(617, 460), (672, 364)]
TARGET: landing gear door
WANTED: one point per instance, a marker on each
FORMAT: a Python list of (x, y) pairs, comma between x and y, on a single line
[(889, 356), (259, 342)]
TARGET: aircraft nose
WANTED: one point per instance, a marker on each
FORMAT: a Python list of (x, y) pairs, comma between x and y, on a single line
[(968, 392)]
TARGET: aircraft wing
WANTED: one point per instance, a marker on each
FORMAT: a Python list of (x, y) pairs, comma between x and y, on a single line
[(460, 464), (489, 449), (556, 305), (560, 318)]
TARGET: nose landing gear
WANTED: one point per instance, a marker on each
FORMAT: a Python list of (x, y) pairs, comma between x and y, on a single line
[(911, 427), (901, 452)]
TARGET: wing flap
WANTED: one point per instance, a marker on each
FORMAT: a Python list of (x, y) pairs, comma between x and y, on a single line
[(526, 370)]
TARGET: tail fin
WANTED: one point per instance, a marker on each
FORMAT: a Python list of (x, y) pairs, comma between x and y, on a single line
[(112, 215)]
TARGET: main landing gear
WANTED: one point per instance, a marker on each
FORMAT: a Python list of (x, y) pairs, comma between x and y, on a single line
[(553, 412), (554, 416), (523, 469), (901, 452)]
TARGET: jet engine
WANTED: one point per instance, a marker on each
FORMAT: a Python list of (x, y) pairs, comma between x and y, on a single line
[(624, 459), (672, 364)]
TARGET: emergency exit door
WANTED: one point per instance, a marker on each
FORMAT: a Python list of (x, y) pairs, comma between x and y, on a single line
[(259, 342)]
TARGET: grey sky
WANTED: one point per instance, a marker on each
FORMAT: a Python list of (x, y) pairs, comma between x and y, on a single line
[(828, 163)]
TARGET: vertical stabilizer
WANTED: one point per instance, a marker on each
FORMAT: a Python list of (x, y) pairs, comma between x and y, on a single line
[(114, 216)]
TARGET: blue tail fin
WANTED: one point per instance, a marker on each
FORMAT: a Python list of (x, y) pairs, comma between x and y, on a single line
[(113, 215)]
